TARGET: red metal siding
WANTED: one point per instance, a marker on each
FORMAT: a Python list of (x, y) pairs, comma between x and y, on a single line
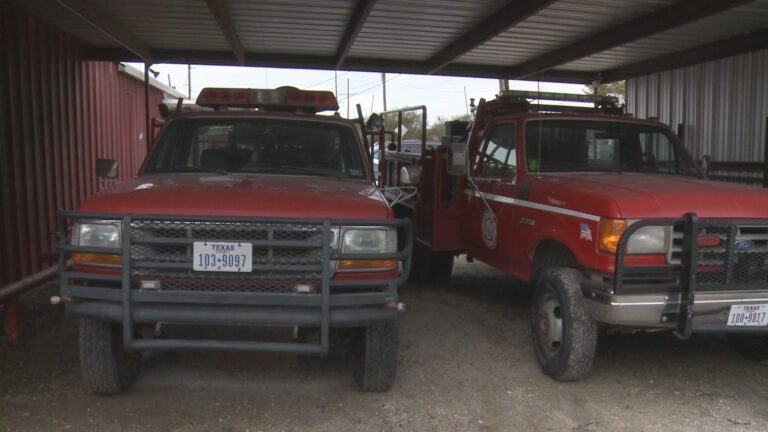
[(58, 114)]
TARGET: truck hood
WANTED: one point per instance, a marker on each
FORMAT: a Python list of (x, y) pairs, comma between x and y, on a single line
[(257, 195), (637, 195)]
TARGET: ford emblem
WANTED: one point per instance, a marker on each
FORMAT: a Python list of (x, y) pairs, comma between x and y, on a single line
[(744, 244)]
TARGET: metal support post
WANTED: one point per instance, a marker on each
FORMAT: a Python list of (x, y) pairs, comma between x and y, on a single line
[(765, 165), (148, 134)]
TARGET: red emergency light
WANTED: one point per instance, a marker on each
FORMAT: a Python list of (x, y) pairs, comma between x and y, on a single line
[(282, 98)]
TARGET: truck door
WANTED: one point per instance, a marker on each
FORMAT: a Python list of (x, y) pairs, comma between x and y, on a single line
[(490, 213)]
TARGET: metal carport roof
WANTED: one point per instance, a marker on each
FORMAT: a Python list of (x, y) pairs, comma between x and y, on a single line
[(551, 40)]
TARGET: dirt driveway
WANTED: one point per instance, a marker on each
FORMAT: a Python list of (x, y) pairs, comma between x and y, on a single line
[(465, 364)]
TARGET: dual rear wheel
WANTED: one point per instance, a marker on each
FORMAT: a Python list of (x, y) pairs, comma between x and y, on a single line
[(430, 267)]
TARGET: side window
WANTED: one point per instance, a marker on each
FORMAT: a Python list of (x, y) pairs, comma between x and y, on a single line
[(657, 151), (499, 158)]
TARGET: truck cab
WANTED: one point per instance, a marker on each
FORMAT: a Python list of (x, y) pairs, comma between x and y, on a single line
[(606, 216), (254, 212)]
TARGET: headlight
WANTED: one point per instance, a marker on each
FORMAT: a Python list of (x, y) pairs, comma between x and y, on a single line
[(366, 241), (369, 241), (97, 234), (646, 240)]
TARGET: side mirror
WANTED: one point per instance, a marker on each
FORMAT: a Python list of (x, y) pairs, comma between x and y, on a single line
[(107, 168), (456, 159), (410, 175), (392, 147), (705, 163), (375, 123)]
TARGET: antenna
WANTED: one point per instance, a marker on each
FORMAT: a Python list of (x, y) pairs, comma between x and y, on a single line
[(466, 104)]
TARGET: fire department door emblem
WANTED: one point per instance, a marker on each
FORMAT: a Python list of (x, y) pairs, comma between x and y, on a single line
[(489, 229)]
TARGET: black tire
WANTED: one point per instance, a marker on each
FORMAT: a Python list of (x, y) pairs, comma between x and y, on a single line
[(751, 346), (567, 354), (421, 265), (551, 256), (376, 364), (107, 369), (442, 267)]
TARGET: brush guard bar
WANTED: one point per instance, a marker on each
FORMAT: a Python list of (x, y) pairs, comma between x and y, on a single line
[(113, 294)]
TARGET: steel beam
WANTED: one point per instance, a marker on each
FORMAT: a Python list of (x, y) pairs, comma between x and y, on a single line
[(221, 13), (358, 18), (360, 64), (674, 15), (497, 22), (92, 14), (732, 46)]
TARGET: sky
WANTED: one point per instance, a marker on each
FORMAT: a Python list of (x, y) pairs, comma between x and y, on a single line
[(443, 96)]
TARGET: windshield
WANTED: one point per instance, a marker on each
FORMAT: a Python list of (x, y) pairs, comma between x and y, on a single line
[(596, 146), (265, 146)]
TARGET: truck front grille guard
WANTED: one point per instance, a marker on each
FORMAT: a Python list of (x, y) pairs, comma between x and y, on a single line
[(112, 289), (709, 255)]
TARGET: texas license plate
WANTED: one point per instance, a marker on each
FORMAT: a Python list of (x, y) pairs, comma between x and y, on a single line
[(222, 257), (748, 315)]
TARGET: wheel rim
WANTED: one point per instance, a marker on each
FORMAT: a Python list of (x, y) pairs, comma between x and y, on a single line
[(549, 324)]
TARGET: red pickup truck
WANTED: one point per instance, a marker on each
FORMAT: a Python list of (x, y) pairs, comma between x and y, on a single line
[(254, 212), (607, 216)]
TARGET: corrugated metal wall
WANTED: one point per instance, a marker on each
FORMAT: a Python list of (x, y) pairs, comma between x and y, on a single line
[(723, 105), (58, 113)]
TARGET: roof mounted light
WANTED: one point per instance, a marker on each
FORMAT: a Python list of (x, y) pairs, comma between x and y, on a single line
[(565, 97), (281, 99)]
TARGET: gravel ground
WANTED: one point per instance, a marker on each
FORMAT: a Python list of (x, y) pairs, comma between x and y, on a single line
[(466, 363)]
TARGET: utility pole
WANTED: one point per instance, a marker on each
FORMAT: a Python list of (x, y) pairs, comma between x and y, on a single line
[(348, 101), (384, 87), (503, 84), (189, 80), (336, 82)]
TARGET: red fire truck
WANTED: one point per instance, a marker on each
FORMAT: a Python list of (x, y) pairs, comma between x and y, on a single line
[(255, 212), (607, 216)]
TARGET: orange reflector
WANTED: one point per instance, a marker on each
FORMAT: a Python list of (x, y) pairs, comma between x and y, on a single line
[(610, 233), (97, 258), (708, 240), (367, 264)]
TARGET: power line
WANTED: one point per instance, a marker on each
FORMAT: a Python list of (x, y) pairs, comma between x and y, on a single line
[(374, 86), (325, 81)]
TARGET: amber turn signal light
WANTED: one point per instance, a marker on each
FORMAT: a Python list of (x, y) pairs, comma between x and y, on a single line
[(610, 233), (98, 259), (367, 264)]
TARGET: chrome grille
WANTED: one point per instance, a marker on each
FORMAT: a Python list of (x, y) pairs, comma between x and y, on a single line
[(274, 245), (738, 261)]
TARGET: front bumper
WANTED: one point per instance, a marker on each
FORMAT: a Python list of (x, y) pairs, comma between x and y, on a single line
[(288, 253), (695, 290), (662, 310)]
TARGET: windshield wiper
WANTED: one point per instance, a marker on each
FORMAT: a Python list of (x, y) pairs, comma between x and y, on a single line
[(197, 169), (291, 169), (602, 169)]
